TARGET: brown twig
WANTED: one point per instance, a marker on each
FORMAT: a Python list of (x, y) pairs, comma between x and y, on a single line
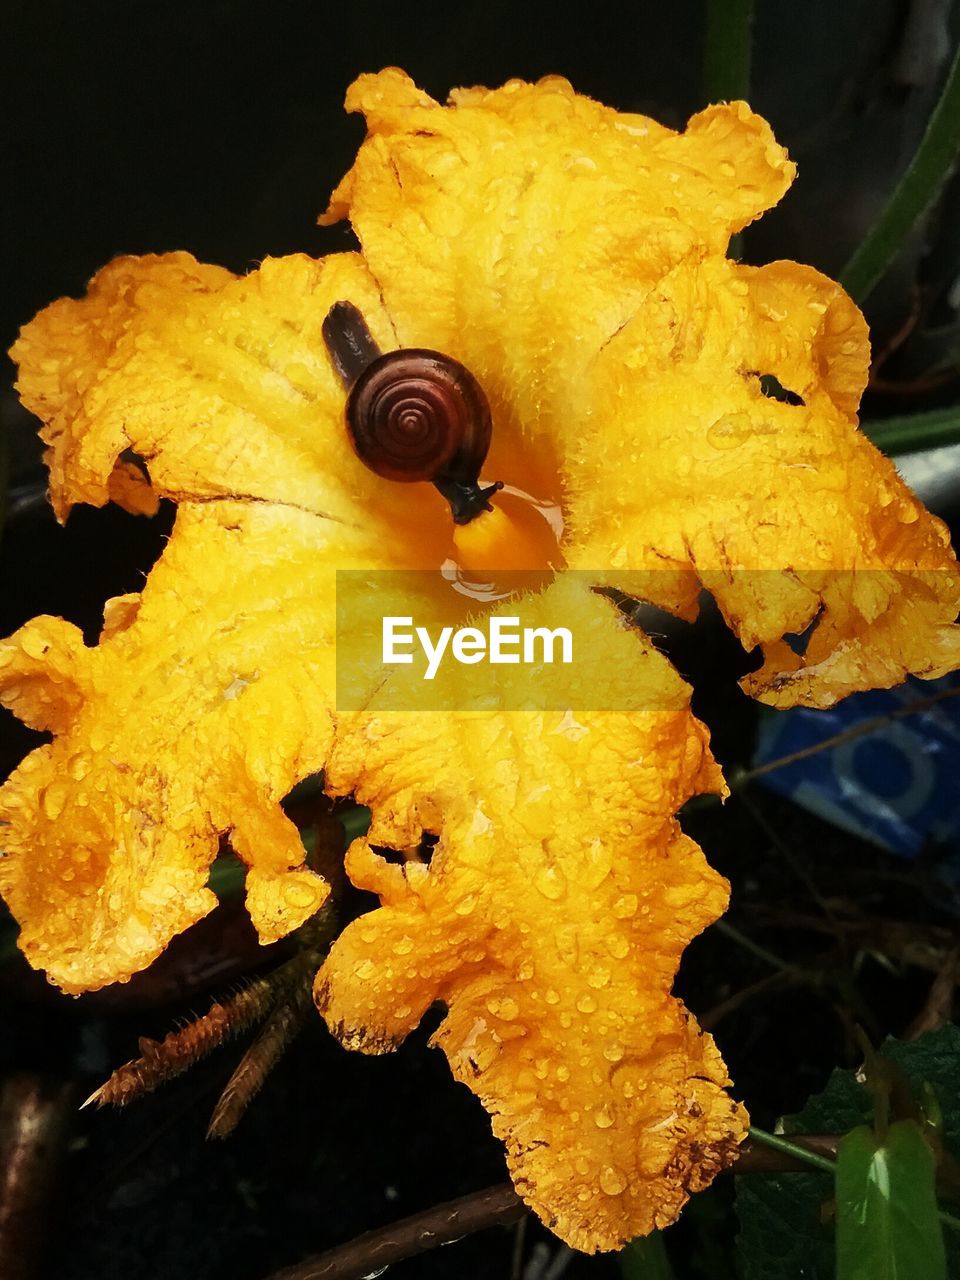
[(491, 1207), (938, 1006), (733, 1002), (35, 1116)]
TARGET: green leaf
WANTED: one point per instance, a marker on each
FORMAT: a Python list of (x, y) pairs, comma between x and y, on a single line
[(913, 195), (915, 431), (786, 1227), (887, 1224)]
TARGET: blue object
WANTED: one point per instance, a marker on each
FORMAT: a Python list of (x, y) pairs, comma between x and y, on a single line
[(897, 785)]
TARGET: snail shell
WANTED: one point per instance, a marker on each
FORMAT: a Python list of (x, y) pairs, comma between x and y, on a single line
[(419, 415)]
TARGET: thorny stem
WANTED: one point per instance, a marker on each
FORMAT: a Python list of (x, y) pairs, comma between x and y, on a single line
[(913, 194)]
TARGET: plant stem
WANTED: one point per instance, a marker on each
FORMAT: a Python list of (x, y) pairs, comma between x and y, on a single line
[(727, 49), (913, 194), (915, 431), (728, 46), (804, 1154), (788, 1148)]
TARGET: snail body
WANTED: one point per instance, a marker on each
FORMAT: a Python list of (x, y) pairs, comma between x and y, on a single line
[(413, 414)]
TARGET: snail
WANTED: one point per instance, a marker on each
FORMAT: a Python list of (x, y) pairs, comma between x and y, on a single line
[(412, 414)]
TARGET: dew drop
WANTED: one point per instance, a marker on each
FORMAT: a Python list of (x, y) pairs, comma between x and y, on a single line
[(596, 865), (550, 883), (613, 1052), (730, 431), (625, 906), (563, 1073), (611, 1181), (504, 1007), (54, 799), (525, 971), (33, 645), (403, 946), (78, 767), (602, 1118), (586, 1003), (618, 946), (598, 978), (365, 970), (551, 996), (466, 905), (298, 894)]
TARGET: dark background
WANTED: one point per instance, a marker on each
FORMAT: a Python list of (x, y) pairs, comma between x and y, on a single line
[(217, 127)]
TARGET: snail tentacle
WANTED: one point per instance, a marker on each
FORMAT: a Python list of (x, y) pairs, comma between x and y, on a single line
[(351, 345)]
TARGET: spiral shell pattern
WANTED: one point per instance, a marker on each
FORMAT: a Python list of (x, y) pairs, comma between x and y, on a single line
[(419, 415)]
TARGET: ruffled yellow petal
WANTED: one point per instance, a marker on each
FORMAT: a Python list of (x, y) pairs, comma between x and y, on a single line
[(550, 922), (205, 701), (220, 386), (576, 259)]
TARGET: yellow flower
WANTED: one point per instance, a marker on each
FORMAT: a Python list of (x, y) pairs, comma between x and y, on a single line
[(573, 258)]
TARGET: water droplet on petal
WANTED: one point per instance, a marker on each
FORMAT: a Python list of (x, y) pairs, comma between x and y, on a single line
[(550, 882), (625, 906), (611, 1181), (618, 946), (602, 1118), (504, 1007)]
